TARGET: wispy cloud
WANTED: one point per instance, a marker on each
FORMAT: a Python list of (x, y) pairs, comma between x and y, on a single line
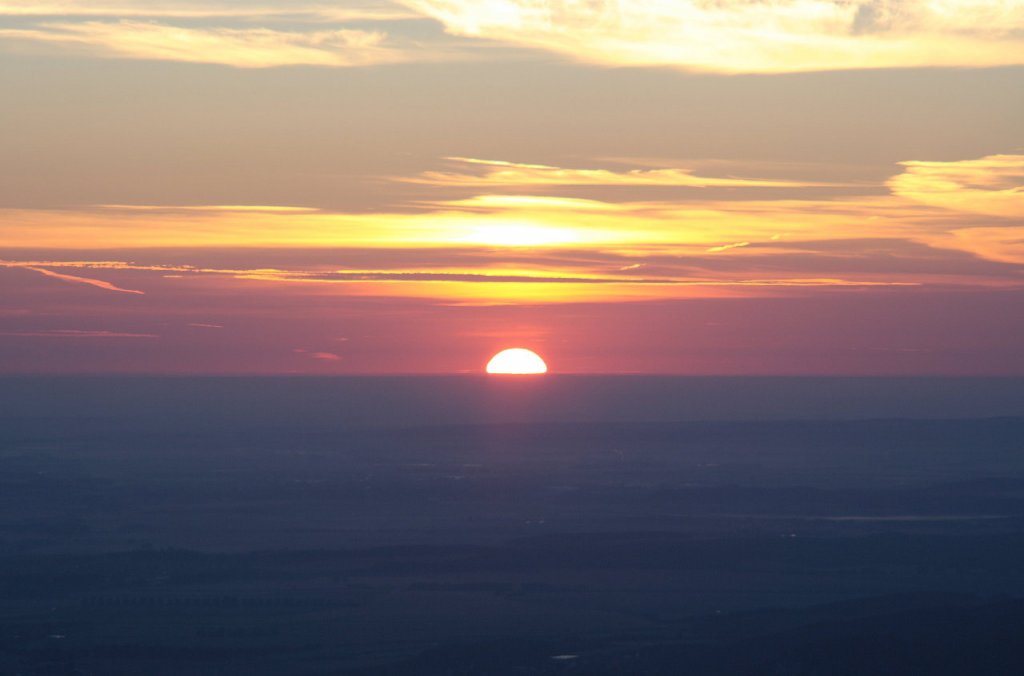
[(731, 36), (487, 279), (992, 185), (510, 174), (501, 221), (726, 247), (98, 283), (482, 275), (738, 36), (547, 248), (368, 10), (998, 244), (215, 208), (239, 47), (495, 220), (76, 333)]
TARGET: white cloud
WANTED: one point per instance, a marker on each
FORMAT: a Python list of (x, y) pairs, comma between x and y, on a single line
[(730, 36), (749, 36), (240, 47), (367, 10)]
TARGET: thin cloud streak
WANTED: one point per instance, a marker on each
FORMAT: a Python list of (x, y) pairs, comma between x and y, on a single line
[(511, 174), (205, 9), (98, 283), (726, 247), (238, 47), (447, 276), (75, 333), (572, 284)]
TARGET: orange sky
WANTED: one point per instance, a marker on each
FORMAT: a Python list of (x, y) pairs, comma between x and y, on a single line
[(392, 187)]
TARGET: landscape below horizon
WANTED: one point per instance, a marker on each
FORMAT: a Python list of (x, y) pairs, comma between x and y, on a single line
[(263, 526), (511, 337)]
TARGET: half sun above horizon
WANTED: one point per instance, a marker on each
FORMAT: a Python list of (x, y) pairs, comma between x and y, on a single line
[(516, 361)]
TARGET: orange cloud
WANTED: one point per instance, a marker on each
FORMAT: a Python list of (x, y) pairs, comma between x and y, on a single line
[(537, 246), (992, 185), (988, 186), (999, 244), (726, 247), (498, 173), (494, 283)]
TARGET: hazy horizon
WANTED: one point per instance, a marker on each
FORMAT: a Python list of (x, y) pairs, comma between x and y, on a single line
[(480, 399)]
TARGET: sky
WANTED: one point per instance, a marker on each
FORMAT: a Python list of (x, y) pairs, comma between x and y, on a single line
[(796, 187)]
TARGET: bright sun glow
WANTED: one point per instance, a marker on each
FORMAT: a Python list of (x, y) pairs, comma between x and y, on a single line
[(520, 235), (517, 361)]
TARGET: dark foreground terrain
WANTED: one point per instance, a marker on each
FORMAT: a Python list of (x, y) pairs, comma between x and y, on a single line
[(220, 544)]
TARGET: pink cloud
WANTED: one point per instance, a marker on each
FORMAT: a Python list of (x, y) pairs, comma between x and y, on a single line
[(83, 280), (327, 356)]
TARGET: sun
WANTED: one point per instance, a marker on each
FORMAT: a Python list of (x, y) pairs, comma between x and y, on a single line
[(516, 361)]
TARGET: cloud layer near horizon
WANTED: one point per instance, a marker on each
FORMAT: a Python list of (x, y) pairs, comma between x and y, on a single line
[(806, 279), (535, 247)]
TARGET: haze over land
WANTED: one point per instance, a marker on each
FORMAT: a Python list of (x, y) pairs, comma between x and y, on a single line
[(465, 525)]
